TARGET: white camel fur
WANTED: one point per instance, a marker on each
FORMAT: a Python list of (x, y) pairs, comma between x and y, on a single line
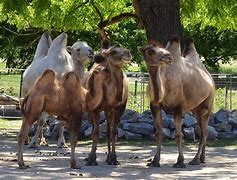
[(59, 60)]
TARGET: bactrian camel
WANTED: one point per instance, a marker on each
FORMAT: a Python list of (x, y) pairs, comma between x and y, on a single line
[(178, 85), (112, 101), (64, 98), (62, 62)]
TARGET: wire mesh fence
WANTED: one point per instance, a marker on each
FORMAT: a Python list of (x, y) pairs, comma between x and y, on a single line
[(226, 89)]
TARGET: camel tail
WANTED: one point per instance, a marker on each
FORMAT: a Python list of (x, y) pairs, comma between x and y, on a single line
[(23, 103)]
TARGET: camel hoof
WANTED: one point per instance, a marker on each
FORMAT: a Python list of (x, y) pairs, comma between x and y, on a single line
[(114, 162), (86, 159), (179, 165), (75, 166), (194, 162), (62, 145), (153, 164), (44, 143), (23, 166), (91, 163)]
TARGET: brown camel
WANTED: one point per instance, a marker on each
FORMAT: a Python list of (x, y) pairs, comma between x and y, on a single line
[(64, 98), (113, 99), (178, 85)]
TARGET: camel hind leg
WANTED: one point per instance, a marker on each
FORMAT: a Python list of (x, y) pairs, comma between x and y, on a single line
[(26, 124), (202, 114)]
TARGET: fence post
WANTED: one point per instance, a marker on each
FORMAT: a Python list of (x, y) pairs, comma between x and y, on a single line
[(21, 80), (230, 92)]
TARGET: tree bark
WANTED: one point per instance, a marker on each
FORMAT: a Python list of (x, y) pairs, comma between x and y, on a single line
[(160, 18)]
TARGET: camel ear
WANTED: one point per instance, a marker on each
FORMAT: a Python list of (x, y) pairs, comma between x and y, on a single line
[(141, 49), (69, 49)]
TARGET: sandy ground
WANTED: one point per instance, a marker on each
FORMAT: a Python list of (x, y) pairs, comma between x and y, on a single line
[(53, 163)]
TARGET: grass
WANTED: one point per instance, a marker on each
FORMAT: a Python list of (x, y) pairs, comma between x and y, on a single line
[(10, 124), (229, 68)]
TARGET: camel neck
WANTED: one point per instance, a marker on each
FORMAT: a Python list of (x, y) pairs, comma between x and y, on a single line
[(79, 68), (156, 84), (117, 81)]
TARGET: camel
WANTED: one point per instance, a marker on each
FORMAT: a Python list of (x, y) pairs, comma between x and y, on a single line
[(112, 100), (178, 85), (64, 98), (62, 62)]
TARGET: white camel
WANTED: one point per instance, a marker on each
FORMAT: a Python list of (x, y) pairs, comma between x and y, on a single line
[(62, 62)]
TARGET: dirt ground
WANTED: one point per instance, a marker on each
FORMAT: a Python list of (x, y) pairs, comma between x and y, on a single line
[(53, 163)]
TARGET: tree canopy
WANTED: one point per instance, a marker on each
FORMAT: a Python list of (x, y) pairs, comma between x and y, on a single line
[(116, 19)]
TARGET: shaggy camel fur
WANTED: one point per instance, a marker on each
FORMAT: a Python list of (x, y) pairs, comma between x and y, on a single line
[(64, 98), (178, 85), (112, 101), (59, 60)]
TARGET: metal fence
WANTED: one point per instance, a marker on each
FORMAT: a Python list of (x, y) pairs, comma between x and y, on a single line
[(226, 89)]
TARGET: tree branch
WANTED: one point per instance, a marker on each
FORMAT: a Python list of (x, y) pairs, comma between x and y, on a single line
[(19, 34), (80, 5), (116, 19), (97, 11)]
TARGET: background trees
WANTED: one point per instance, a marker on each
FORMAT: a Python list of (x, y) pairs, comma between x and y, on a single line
[(212, 23)]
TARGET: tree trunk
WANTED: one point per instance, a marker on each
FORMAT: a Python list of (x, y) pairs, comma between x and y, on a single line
[(161, 18)]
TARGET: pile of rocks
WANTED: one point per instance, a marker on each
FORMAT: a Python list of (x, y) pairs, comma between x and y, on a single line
[(134, 125)]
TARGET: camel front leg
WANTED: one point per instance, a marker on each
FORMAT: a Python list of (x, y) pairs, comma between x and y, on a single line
[(21, 139), (178, 139), (74, 127), (156, 113), (91, 160), (108, 116)]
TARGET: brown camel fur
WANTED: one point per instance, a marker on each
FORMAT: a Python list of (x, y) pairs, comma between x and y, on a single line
[(64, 98), (178, 85), (113, 99)]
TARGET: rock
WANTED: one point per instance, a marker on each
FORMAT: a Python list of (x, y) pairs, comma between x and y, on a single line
[(226, 135), (102, 117), (87, 132), (128, 135), (223, 127), (189, 121), (172, 126), (85, 125), (168, 133), (121, 133), (166, 120), (103, 127), (102, 135), (145, 119), (221, 116), (139, 128), (234, 130), (129, 116), (233, 118), (211, 121), (189, 133), (33, 129), (212, 133)]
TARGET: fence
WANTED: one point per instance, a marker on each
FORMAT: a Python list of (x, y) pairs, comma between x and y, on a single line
[(226, 89)]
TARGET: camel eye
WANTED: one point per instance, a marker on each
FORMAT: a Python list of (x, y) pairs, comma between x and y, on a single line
[(78, 49), (113, 52)]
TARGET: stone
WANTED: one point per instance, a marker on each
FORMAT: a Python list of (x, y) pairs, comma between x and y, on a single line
[(212, 133), (103, 127), (223, 127), (234, 130), (145, 119), (189, 133), (172, 126), (168, 133), (166, 120), (226, 135), (102, 117), (221, 116), (130, 136), (211, 121), (129, 116), (139, 128), (189, 121), (87, 132), (233, 118), (121, 133)]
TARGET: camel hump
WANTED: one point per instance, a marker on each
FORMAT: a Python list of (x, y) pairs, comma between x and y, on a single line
[(43, 46), (46, 78), (174, 38), (189, 43), (70, 79)]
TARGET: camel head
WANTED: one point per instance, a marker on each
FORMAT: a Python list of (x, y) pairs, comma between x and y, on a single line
[(117, 56), (156, 56), (81, 51)]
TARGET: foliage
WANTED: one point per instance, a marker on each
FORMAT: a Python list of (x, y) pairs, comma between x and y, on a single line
[(214, 46)]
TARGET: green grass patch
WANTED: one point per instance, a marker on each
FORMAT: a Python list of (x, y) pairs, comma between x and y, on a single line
[(10, 124), (10, 84)]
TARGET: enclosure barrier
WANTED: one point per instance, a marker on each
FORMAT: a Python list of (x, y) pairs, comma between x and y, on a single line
[(226, 88)]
